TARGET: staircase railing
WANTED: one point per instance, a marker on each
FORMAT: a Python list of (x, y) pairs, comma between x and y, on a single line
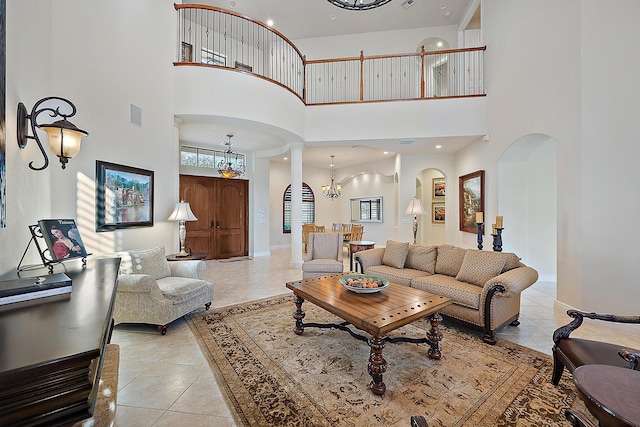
[(215, 37)]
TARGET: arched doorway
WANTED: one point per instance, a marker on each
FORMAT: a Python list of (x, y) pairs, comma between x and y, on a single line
[(431, 227), (527, 198)]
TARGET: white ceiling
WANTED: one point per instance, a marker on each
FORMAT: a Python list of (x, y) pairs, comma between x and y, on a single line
[(299, 19)]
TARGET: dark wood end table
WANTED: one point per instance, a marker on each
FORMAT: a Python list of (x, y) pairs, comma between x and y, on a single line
[(375, 313), (611, 393), (357, 246), (191, 256)]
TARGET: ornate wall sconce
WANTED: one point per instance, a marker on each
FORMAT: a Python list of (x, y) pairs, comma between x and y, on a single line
[(64, 137)]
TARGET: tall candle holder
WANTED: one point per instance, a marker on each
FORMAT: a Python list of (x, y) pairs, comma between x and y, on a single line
[(497, 240), (479, 225)]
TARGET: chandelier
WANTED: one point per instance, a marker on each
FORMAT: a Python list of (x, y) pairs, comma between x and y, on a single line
[(358, 4), (233, 163), (332, 191)]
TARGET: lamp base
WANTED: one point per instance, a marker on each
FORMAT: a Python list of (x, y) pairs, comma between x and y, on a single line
[(415, 228)]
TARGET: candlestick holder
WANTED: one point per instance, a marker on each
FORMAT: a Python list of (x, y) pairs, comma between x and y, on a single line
[(479, 225), (497, 240)]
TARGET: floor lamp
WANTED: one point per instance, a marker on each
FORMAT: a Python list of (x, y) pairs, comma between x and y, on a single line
[(182, 213), (415, 208)]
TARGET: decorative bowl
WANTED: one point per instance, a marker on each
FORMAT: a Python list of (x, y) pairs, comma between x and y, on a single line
[(360, 290)]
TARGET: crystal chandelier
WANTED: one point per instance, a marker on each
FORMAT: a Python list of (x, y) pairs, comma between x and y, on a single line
[(233, 163), (358, 4), (332, 191)]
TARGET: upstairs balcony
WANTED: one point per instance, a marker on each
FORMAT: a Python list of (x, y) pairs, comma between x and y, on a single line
[(213, 37)]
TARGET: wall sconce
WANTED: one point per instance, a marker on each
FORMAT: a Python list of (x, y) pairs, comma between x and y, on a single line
[(64, 137)]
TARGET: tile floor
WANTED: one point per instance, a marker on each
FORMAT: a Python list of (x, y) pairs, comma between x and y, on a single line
[(166, 381)]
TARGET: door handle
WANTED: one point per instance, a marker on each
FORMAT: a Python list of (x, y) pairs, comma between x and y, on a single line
[(217, 224)]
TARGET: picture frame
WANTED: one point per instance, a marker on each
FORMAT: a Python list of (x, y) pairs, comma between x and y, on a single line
[(62, 238), (243, 67), (437, 213), (186, 52), (471, 200), (124, 197), (438, 188)]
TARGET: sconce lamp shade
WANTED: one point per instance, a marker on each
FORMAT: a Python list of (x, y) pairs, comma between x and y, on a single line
[(415, 207), (64, 138), (182, 212)]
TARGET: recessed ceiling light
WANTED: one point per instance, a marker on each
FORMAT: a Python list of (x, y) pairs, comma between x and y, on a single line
[(385, 152), (270, 22), (438, 146), (447, 14), (443, 6), (232, 4), (439, 44), (332, 17), (285, 158)]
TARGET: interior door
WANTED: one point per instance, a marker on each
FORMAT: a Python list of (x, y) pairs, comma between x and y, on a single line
[(221, 206)]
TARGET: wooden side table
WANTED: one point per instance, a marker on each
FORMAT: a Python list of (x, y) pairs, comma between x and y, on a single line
[(610, 393), (191, 256), (357, 246)]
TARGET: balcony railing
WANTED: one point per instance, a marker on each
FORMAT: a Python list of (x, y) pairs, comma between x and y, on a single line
[(210, 36)]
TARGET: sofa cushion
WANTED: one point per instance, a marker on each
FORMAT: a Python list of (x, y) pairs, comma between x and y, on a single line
[(181, 289), (461, 293), (152, 262), (323, 266), (480, 266), (395, 254), (401, 276), (449, 260), (511, 261), (422, 257)]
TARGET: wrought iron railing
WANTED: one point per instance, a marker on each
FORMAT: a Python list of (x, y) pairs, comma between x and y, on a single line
[(215, 37)]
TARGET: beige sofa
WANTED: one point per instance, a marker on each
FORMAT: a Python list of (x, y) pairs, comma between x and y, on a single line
[(485, 286)]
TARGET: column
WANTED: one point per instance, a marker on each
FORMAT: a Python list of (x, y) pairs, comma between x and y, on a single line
[(296, 204)]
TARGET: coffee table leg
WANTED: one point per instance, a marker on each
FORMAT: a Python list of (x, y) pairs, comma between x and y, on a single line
[(434, 336), (377, 366), (298, 315)]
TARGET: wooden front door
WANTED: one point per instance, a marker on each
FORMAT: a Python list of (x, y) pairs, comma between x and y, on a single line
[(221, 206)]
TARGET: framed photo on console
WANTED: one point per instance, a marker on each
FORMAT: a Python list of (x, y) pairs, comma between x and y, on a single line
[(124, 197), (62, 238), (471, 193)]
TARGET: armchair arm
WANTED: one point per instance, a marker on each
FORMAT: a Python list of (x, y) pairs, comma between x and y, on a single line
[(563, 332), (513, 281), (193, 269), (137, 283), (369, 258)]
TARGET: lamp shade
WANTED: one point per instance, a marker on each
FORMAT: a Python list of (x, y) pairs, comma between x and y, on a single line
[(64, 138), (415, 207), (182, 212)]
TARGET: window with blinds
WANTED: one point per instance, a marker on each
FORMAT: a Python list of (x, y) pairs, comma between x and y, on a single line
[(308, 207), (367, 209)]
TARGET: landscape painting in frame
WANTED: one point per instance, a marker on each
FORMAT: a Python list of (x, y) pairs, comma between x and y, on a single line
[(471, 193), (437, 213), (438, 188), (124, 197)]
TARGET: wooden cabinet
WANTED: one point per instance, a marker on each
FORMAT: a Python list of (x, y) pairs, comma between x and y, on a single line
[(51, 352), (221, 206)]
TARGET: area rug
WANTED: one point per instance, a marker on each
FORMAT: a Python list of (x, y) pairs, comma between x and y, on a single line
[(273, 377)]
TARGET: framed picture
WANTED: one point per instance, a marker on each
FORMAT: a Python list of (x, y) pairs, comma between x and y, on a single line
[(124, 197), (437, 213), (438, 188), (62, 238), (186, 52), (471, 194), (243, 67)]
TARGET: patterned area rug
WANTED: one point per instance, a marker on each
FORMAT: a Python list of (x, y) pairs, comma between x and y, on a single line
[(273, 377)]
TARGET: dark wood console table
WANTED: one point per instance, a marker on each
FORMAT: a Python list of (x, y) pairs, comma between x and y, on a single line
[(51, 353)]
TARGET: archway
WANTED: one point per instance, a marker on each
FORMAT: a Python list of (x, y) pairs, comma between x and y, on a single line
[(527, 198), (431, 230)]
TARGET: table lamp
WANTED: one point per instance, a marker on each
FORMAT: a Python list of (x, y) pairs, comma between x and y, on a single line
[(415, 208), (182, 213)]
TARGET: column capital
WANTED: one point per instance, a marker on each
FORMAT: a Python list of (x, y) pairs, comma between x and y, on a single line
[(296, 146)]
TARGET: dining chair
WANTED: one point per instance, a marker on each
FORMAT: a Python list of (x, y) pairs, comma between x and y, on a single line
[(306, 229)]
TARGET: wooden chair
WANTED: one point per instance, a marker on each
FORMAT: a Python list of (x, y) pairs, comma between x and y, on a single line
[(354, 236), (573, 352), (306, 229), (319, 229)]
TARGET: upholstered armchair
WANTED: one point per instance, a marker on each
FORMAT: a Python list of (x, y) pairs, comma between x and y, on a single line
[(571, 352), (324, 255), (154, 291)]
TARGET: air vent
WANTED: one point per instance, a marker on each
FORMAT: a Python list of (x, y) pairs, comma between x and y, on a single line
[(135, 115), (408, 3), (406, 141)]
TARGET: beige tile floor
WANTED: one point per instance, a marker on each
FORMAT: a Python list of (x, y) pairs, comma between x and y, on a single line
[(166, 381)]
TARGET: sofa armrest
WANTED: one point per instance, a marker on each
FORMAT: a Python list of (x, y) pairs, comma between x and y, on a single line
[(369, 258), (192, 269), (563, 332), (513, 281)]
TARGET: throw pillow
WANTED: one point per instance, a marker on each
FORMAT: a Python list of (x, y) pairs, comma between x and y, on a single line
[(449, 260), (395, 254), (152, 262), (511, 261), (478, 267), (422, 257)]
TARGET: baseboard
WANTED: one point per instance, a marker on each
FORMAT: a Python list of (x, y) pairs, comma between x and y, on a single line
[(261, 254)]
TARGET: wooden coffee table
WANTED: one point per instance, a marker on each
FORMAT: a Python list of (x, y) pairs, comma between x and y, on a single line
[(376, 313)]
